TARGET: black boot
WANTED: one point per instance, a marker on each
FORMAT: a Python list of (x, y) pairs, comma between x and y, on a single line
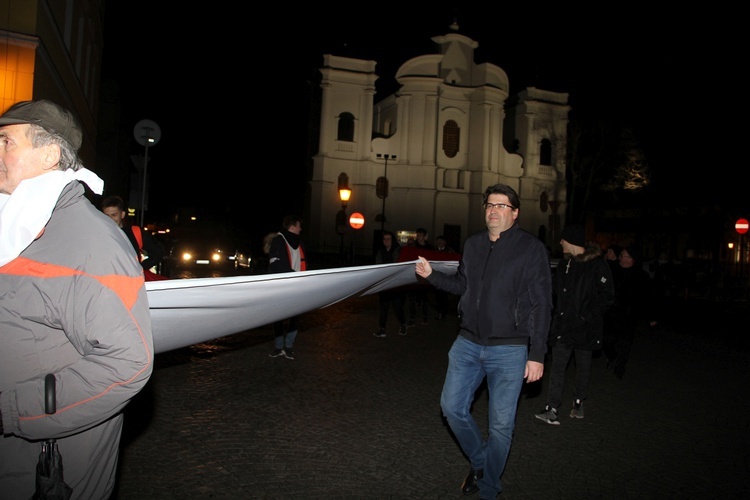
[(470, 483)]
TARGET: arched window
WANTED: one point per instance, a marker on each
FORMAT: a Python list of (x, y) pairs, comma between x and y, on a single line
[(343, 180), (545, 152), (346, 127), (543, 201), (451, 136)]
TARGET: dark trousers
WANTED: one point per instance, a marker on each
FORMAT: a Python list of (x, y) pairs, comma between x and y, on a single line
[(390, 298), (561, 356), (418, 302), (442, 303), (619, 334)]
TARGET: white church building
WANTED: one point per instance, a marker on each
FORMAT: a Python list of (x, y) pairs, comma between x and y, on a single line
[(449, 131)]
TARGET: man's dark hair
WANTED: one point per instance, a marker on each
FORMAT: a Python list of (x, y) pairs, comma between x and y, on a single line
[(113, 201), (290, 220), (503, 189)]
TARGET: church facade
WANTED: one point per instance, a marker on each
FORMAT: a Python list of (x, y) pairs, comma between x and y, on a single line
[(423, 156)]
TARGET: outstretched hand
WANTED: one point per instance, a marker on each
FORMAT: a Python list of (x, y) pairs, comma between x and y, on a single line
[(424, 268)]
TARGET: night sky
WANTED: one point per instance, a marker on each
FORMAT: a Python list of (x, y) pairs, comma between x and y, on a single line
[(230, 91)]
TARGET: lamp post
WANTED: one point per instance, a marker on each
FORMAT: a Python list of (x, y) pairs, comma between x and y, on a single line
[(381, 188), (147, 133), (344, 194)]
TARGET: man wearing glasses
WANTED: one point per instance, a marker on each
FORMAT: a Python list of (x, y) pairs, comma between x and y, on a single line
[(505, 283)]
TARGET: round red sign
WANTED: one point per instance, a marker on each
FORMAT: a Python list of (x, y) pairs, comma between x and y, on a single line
[(741, 226), (356, 220)]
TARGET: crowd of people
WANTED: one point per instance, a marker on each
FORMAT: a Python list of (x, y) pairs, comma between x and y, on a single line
[(515, 316)]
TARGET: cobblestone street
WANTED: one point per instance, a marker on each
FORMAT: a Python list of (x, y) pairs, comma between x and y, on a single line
[(354, 416)]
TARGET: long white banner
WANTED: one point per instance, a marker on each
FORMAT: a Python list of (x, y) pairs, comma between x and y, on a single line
[(189, 311)]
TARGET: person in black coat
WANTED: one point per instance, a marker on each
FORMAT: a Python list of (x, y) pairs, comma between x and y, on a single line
[(583, 292), (633, 300), (394, 297), (286, 254)]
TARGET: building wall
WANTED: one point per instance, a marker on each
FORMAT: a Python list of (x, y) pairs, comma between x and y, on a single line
[(52, 49), (427, 188)]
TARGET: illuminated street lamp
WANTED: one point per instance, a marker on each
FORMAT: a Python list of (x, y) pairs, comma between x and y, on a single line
[(381, 187), (344, 194)]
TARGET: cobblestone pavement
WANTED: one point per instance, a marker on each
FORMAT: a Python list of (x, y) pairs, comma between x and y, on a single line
[(354, 416)]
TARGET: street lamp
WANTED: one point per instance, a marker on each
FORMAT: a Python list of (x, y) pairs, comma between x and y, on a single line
[(381, 188), (147, 133), (344, 194)]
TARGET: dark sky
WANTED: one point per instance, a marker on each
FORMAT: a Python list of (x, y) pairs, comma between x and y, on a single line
[(229, 89)]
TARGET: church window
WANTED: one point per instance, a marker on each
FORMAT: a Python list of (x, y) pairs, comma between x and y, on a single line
[(451, 136), (545, 152), (346, 127)]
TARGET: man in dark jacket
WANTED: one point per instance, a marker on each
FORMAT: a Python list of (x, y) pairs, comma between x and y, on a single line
[(584, 291), (286, 255), (387, 254), (149, 251), (505, 283)]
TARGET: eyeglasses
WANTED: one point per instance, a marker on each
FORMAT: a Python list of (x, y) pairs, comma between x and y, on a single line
[(499, 206)]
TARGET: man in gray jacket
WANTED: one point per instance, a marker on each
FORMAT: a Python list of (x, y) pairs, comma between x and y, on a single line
[(505, 283), (73, 305)]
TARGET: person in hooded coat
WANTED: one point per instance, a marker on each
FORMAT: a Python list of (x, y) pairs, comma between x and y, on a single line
[(583, 292)]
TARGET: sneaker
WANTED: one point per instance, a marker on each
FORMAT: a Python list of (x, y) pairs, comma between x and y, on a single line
[(548, 415), (577, 410), (402, 330), (411, 323), (288, 353), (276, 353), (380, 333)]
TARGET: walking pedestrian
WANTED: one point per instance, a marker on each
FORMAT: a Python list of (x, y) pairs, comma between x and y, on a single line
[(442, 298), (633, 305), (287, 254), (583, 292), (148, 250), (417, 296), (73, 305), (394, 297), (505, 286)]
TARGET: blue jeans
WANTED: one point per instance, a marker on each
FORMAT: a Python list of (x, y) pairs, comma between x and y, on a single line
[(468, 365), (284, 334)]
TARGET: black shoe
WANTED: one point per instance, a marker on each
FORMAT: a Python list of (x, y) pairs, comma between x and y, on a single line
[(276, 353), (470, 483), (288, 353)]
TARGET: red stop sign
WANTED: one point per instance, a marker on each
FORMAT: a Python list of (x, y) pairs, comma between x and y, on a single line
[(741, 226)]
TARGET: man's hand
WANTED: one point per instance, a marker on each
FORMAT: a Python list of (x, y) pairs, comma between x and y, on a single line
[(534, 371), (424, 268)]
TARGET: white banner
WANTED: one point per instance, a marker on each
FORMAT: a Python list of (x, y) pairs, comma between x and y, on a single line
[(189, 311)]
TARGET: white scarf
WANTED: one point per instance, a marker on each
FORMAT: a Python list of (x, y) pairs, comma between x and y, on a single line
[(24, 213)]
